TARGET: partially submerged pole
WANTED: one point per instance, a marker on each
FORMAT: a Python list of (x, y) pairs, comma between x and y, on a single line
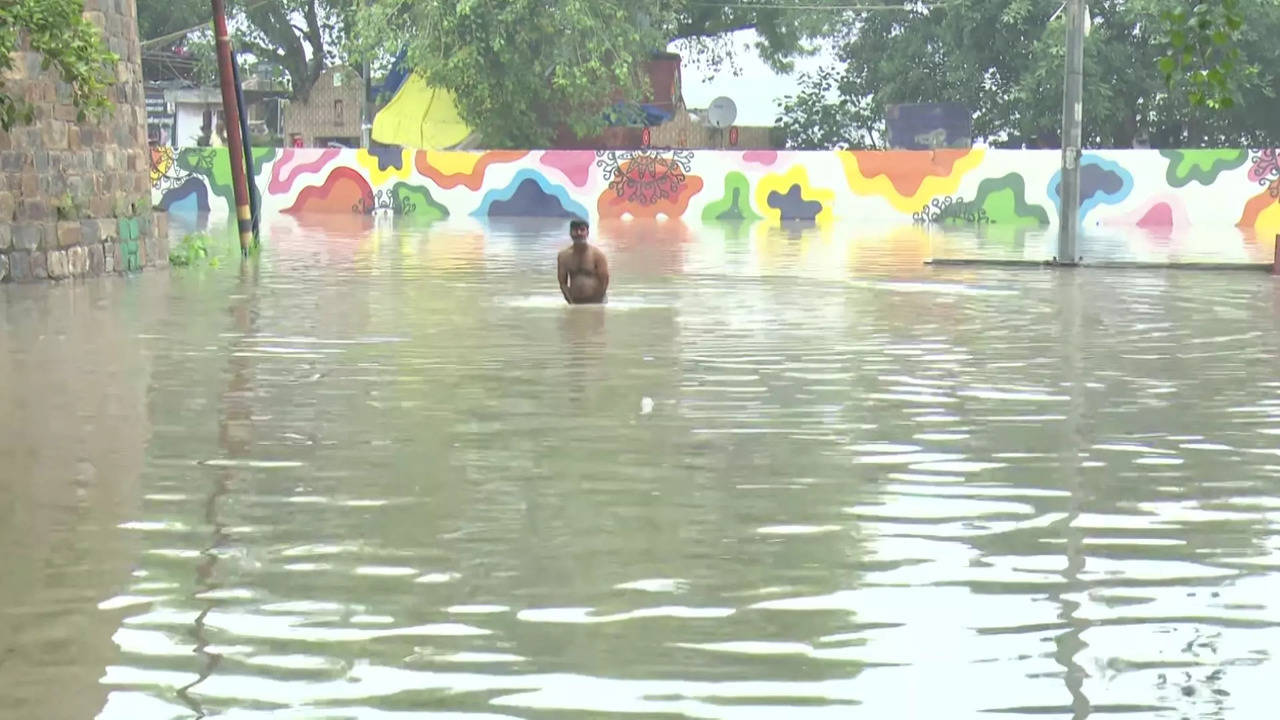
[(230, 121), (255, 201), (1072, 135)]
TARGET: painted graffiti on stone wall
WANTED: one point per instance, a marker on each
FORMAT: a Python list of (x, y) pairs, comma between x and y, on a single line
[(1168, 191)]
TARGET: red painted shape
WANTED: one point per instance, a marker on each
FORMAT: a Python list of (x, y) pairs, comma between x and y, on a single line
[(345, 191)]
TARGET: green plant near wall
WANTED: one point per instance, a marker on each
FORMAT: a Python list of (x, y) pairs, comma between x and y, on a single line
[(68, 208), (193, 250)]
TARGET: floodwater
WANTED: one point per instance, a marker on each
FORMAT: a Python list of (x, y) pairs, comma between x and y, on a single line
[(387, 474)]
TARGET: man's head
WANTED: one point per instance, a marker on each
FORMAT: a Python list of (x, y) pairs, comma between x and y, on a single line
[(578, 230)]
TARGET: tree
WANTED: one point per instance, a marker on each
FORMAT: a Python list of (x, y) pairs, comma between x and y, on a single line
[(521, 69), (300, 37), (68, 42), (1202, 55), (1004, 60)]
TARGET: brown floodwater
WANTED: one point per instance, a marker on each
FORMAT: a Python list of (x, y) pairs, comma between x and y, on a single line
[(385, 474)]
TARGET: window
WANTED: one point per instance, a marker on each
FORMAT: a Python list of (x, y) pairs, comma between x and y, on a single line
[(337, 112)]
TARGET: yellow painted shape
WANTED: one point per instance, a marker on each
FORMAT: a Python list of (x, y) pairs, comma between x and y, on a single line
[(378, 177), (454, 162), (782, 183), (931, 187), (1268, 222)]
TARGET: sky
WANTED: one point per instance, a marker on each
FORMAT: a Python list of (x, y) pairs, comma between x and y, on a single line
[(756, 89)]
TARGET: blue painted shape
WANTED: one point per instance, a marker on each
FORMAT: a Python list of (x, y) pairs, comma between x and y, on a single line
[(189, 198), (387, 156), (1102, 182), (530, 194), (793, 206)]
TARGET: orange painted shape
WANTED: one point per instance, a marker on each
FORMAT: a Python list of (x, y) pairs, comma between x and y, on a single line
[(908, 169)]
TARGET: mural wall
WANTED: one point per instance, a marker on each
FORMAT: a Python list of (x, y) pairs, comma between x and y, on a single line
[(1000, 191)]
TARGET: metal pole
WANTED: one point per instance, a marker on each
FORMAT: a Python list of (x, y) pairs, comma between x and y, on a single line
[(230, 120), (1072, 118), (365, 120), (255, 202)]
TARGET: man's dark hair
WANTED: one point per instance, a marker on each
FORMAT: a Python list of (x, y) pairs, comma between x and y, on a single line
[(578, 223)]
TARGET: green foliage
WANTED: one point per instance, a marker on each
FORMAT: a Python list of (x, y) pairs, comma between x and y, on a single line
[(196, 249), (1004, 60), (58, 31), (299, 37), (1203, 57), (67, 207), (522, 69), (817, 117)]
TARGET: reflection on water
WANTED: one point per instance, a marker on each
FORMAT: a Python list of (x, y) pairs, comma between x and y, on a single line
[(783, 474)]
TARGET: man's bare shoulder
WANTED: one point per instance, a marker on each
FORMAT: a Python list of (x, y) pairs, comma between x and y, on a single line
[(565, 254)]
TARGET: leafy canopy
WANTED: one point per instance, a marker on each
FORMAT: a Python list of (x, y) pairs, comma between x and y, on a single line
[(521, 69), (1004, 60)]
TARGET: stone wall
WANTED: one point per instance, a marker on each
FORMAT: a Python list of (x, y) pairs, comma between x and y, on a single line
[(75, 197)]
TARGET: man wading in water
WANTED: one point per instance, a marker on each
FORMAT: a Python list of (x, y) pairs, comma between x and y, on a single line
[(582, 269)]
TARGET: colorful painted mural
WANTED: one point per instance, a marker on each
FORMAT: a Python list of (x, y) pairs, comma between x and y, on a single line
[(1002, 190)]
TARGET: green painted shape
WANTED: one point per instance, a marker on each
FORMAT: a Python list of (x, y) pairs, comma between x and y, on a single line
[(413, 201), (1004, 201), (1200, 165), (735, 204), (214, 165), (128, 227), (129, 251)]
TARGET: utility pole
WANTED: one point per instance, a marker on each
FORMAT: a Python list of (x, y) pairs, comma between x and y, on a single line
[(230, 121), (366, 122), (1072, 119)]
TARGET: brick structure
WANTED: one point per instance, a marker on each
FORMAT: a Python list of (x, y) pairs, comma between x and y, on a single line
[(331, 113), (75, 198)]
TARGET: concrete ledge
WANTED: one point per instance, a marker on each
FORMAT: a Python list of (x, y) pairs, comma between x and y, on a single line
[(1100, 264)]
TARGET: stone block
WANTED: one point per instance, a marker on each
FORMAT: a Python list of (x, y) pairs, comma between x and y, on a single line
[(30, 183), (40, 265), (55, 133), (6, 235), (91, 232), (19, 266), (27, 236), (56, 265), (78, 261), (108, 229), (97, 260), (32, 210), (68, 233), (99, 205), (7, 206), (73, 138), (4, 268), (117, 255)]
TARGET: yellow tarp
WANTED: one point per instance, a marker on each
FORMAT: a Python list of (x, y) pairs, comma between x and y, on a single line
[(420, 116)]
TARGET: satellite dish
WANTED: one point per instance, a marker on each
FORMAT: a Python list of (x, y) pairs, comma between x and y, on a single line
[(722, 113)]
